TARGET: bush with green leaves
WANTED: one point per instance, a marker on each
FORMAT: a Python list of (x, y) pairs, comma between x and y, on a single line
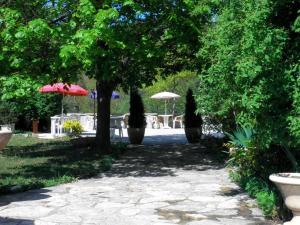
[(251, 75), (251, 166), (20, 97), (106, 163), (191, 117), (242, 151), (7, 115), (73, 128)]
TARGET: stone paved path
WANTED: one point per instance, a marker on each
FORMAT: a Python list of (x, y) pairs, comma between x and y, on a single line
[(151, 185)]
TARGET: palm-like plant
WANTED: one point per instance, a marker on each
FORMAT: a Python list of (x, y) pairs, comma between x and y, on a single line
[(242, 137), (241, 149)]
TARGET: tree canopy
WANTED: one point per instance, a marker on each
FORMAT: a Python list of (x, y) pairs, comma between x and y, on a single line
[(116, 42)]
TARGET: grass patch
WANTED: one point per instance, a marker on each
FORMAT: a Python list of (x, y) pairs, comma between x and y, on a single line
[(28, 163)]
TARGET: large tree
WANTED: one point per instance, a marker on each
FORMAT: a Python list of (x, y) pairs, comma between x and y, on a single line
[(115, 42)]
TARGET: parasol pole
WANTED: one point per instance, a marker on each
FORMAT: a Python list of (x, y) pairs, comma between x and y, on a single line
[(62, 106), (165, 106), (173, 111), (62, 112), (94, 98)]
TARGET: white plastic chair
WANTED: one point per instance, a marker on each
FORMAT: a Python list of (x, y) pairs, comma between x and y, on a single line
[(116, 123), (178, 119)]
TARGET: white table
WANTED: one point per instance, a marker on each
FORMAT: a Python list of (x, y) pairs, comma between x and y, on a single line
[(166, 120)]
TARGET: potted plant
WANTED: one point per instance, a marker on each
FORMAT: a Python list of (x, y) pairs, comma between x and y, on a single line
[(7, 120), (5, 136), (7, 117), (74, 129), (137, 120), (193, 121), (289, 186)]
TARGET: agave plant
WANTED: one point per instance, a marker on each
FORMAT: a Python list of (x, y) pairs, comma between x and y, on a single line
[(241, 150), (242, 137)]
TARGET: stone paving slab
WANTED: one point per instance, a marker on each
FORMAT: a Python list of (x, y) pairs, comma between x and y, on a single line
[(150, 185)]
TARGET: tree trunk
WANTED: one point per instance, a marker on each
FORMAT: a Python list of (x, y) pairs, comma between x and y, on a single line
[(104, 92)]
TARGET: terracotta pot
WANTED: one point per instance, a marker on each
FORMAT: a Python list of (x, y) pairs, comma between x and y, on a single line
[(193, 135), (35, 126), (4, 138), (136, 135), (289, 186)]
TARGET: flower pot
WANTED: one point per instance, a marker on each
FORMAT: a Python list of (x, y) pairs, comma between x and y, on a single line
[(4, 138), (8, 127), (35, 126), (193, 134), (289, 186), (136, 135)]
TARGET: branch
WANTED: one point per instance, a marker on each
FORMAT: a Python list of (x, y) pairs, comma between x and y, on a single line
[(61, 18)]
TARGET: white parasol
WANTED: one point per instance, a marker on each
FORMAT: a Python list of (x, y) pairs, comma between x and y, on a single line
[(165, 95)]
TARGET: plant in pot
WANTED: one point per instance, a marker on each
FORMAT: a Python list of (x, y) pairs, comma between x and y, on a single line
[(74, 130), (193, 121), (289, 186), (7, 121), (137, 120)]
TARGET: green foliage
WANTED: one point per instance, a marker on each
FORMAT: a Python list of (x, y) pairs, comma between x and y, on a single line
[(250, 75), (242, 152), (106, 163), (73, 128), (136, 111), (251, 166), (244, 79), (267, 202), (7, 115), (191, 117), (118, 43), (242, 137), (22, 96)]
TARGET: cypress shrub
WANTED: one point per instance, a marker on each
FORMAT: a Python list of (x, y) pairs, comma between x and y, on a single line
[(192, 119), (137, 113)]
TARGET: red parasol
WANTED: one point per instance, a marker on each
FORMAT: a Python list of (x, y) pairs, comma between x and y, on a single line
[(64, 89)]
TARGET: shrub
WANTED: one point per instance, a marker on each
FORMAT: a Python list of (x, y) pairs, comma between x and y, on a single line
[(73, 128), (247, 168), (191, 118), (266, 200), (136, 117), (7, 116), (106, 163), (242, 151)]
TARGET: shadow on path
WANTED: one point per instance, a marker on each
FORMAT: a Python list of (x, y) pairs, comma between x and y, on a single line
[(31, 195), (158, 139), (163, 160), (10, 221)]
